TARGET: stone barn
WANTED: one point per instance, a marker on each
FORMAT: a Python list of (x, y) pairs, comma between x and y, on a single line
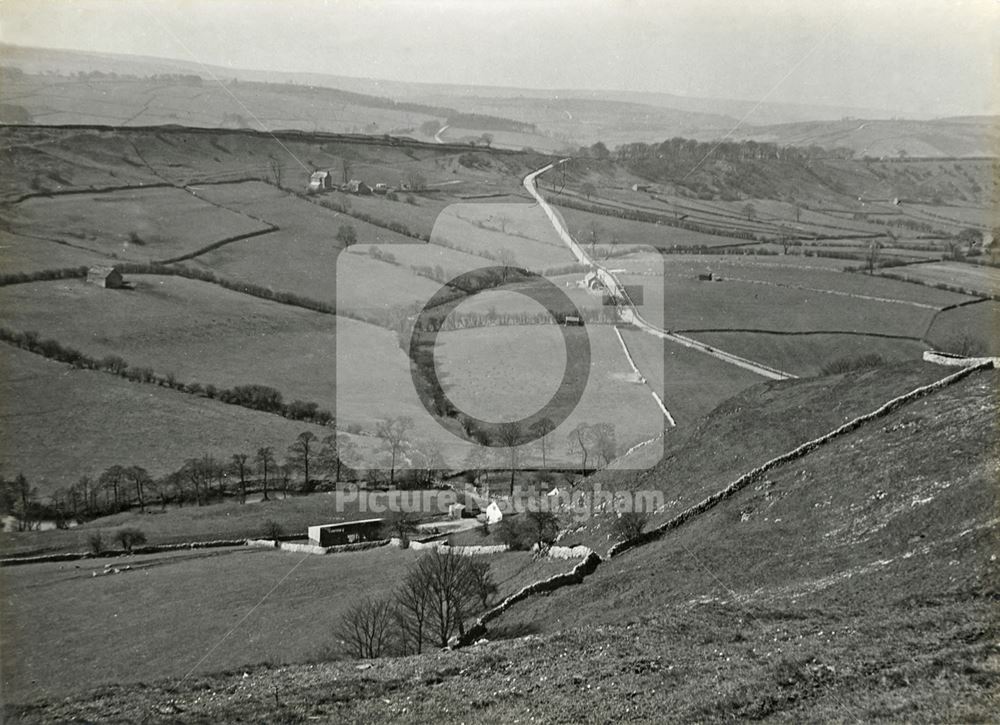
[(108, 277)]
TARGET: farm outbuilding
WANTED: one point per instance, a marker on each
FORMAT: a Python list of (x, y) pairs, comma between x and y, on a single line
[(356, 186), (345, 532), (108, 277)]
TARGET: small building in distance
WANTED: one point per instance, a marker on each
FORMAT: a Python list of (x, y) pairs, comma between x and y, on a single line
[(381, 188), (573, 321), (104, 276), (320, 181), (642, 187), (345, 532), (706, 277), (356, 186)]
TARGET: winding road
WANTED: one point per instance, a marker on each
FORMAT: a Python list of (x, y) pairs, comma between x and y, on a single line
[(626, 308)]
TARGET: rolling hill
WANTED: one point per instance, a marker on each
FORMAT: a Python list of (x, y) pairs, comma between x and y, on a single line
[(68, 86)]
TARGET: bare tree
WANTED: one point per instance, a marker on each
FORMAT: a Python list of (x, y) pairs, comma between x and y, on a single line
[(592, 234), (393, 432), (541, 430), (275, 170), (413, 602), (301, 453), (265, 459), (365, 628), (452, 595), (239, 467), (509, 434), (508, 262), (579, 440), (481, 581), (140, 479), (542, 527), (111, 481), (604, 443)]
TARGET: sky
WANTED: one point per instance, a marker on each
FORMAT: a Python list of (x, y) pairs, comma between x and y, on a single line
[(926, 57)]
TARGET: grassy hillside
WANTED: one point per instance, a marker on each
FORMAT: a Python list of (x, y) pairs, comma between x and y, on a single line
[(62, 424), (898, 512)]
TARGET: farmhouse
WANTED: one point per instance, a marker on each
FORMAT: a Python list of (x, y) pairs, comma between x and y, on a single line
[(381, 188), (320, 181), (494, 514), (345, 532), (573, 321), (103, 276), (641, 187)]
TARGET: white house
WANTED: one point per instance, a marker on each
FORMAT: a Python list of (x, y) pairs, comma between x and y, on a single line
[(493, 513)]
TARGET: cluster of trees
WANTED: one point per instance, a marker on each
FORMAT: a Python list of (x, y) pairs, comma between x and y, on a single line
[(686, 152), (436, 598)]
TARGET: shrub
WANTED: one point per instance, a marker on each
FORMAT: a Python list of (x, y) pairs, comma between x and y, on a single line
[(965, 345), (273, 530), (851, 364), (629, 525), (95, 542), (130, 537)]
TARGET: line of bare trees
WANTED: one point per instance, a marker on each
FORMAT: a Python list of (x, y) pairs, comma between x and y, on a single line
[(308, 462)]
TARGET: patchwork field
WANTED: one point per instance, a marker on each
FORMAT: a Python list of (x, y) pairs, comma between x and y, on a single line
[(169, 614), (493, 230), (135, 224), (61, 424), (978, 323), (237, 340), (691, 305), (979, 279)]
